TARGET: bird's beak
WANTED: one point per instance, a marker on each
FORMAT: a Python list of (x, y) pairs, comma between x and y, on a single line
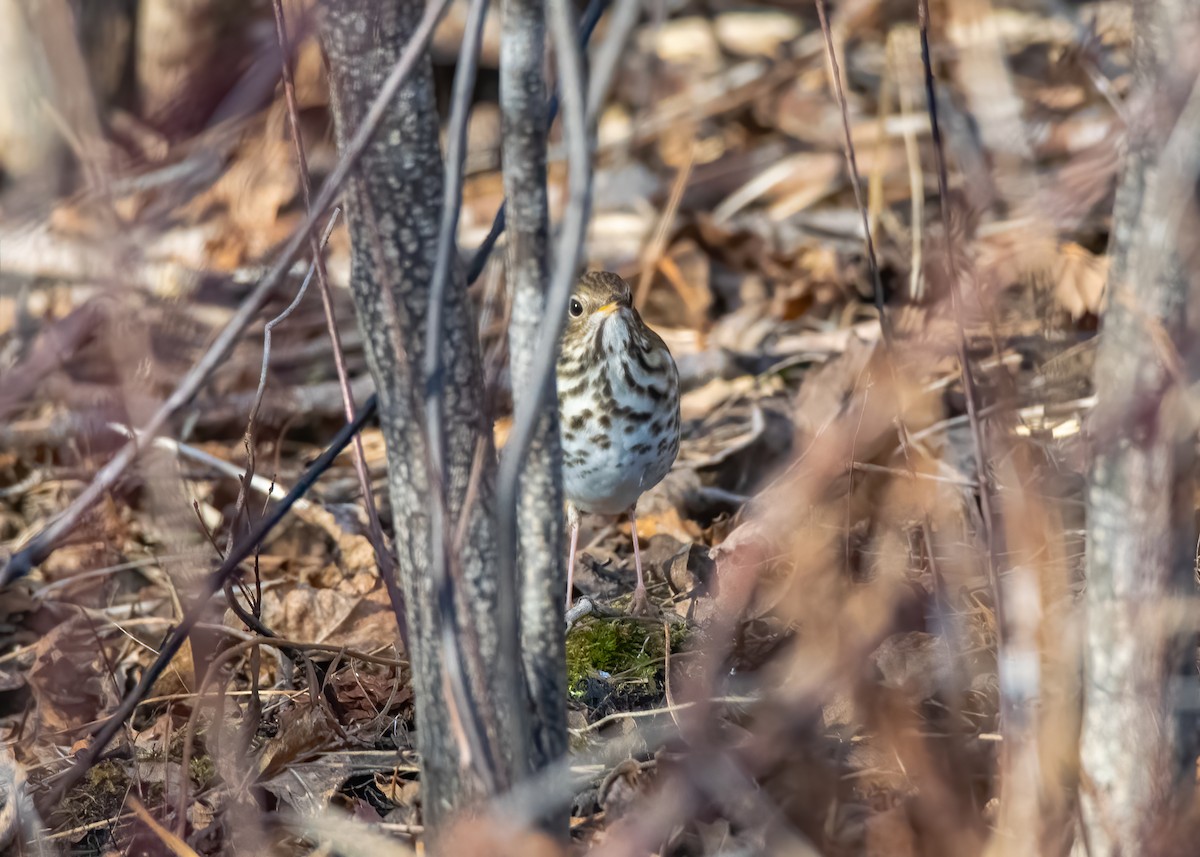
[(608, 309)]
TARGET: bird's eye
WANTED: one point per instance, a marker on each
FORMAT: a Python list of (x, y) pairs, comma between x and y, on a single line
[(576, 308)]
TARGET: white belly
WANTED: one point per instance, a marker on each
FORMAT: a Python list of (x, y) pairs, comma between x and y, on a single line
[(609, 481)]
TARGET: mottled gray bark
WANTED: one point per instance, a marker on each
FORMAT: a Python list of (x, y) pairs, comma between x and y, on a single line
[(394, 207), (542, 575), (1135, 748)]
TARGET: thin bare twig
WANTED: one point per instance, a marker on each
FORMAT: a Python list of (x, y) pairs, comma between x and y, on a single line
[(387, 566), (248, 438), (621, 21), (970, 388), (652, 255), (270, 326), (171, 841), (459, 645), (852, 166), (261, 484), (885, 325)]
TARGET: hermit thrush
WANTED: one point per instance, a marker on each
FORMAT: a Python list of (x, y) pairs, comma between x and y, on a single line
[(618, 406)]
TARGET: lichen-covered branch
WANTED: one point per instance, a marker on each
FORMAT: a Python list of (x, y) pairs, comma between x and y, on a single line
[(541, 576), (394, 202)]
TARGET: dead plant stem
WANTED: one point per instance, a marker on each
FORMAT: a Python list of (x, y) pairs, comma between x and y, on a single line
[(382, 556)]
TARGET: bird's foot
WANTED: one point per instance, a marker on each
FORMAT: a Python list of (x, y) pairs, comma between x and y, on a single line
[(639, 605)]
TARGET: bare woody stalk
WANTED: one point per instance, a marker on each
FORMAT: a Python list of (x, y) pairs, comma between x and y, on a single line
[(530, 410), (460, 643), (541, 575), (394, 207), (1137, 748)]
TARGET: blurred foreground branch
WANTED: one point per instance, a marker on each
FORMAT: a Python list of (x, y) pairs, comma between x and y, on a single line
[(1135, 753)]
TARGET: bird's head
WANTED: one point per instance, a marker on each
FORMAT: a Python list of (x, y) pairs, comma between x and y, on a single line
[(598, 296)]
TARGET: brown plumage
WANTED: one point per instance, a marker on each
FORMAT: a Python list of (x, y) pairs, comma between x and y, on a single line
[(618, 405)]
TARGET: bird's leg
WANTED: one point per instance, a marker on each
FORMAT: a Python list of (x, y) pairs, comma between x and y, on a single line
[(640, 604), (573, 520)]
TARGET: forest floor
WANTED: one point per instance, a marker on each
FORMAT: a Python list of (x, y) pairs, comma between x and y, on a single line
[(818, 674)]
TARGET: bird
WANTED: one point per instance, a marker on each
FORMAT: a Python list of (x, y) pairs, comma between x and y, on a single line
[(618, 408)]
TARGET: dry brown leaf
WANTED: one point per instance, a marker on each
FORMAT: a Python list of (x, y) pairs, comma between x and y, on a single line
[(1079, 279), (303, 731), (789, 186), (69, 679), (367, 696), (307, 786), (622, 789), (688, 42), (180, 674), (1021, 255), (200, 815), (668, 521), (500, 431), (398, 790), (757, 33), (702, 401), (682, 293), (330, 616)]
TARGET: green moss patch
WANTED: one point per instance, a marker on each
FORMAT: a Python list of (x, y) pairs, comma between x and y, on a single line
[(97, 798), (626, 652), (203, 770)]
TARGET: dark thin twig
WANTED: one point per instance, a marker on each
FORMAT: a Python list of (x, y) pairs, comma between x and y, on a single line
[(211, 585), (479, 260), (456, 648), (591, 17), (970, 389), (855, 181), (44, 543), (248, 438), (886, 328), (383, 558), (269, 327)]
